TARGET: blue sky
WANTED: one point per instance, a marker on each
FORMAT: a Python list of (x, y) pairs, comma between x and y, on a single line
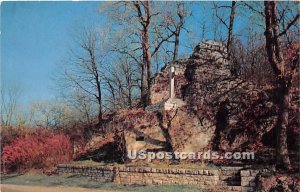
[(35, 36)]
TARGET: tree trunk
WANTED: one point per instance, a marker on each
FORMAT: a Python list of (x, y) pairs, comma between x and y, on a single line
[(282, 82), (129, 92), (148, 53), (144, 83), (282, 148), (99, 112), (149, 68), (176, 45), (112, 90), (99, 99), (144, 16), (181, 15), (98, 85), (230, 28)]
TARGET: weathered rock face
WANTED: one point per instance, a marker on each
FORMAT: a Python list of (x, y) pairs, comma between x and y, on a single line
[(188, 133), (215, 99), (239, 112), (277, 182), (138, 130), (209, 77), (215, 95)]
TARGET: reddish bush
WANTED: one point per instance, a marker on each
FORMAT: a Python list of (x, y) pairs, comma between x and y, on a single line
[(10, 133), (40, 150)]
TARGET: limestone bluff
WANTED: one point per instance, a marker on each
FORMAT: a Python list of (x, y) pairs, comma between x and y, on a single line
[(214, 109)]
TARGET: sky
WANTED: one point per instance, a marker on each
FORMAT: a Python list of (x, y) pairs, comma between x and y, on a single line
[(35, 36)]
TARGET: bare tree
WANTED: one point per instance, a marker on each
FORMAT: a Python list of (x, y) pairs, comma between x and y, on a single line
[(121, 84), (143, 38), (229, 25), (9, 102), (144, 15), (81, 101), (52, 114), (175, 22), (284, 75), (83, 70), (44, 114), (287, 21), (252, 67)]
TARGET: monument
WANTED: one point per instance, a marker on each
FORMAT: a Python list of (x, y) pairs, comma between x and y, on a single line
[(172, 103)]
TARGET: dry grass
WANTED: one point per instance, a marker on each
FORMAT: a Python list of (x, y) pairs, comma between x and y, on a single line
[(65, 183)]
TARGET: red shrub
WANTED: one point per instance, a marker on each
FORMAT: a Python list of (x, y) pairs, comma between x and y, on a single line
[(10, 133), (39, 150)]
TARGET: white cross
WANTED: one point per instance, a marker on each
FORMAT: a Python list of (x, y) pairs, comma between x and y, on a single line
[(172, 84)]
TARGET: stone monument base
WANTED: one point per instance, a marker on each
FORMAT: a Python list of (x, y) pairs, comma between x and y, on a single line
[(166, 105), (172, 104)]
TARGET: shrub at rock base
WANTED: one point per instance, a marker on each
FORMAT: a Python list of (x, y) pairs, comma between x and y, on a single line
[(41, 150)]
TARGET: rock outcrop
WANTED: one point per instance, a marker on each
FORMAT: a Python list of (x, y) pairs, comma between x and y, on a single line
[(213, 93), (214, 98), (221, 111)]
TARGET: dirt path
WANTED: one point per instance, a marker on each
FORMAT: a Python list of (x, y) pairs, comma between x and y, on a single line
[(22, 188)]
